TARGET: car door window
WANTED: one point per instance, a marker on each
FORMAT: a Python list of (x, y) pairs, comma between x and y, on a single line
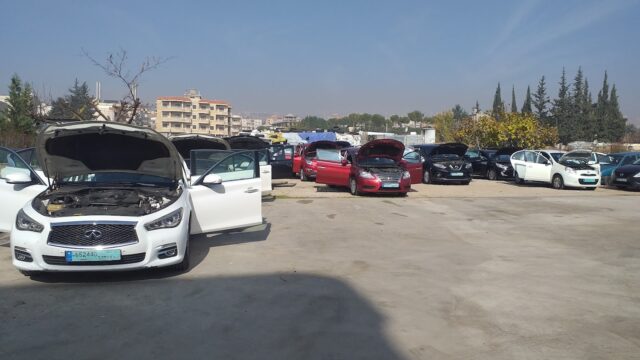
[(629, 160), (542, 159), (203, 160), (519, 156), (329, 155), (412, 157), (11, 163), (239, 166), (530, 156)]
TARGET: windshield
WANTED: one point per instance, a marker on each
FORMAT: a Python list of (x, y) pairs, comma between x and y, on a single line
[(637, 162), (503, 158), (615, 159), (556, 155), (377, 161), (116, 178), (445, 157)]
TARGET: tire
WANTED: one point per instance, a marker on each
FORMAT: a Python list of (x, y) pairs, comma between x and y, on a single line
[(492, 174), (303, 176), (426, 177), (591, 188), (353, 187), (557, 182), (403, 194), (517, 178)]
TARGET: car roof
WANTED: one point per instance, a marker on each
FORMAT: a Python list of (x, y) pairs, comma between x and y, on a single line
[(626, 153)]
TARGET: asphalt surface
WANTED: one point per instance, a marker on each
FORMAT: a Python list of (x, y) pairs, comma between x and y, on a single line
[(533, 277)]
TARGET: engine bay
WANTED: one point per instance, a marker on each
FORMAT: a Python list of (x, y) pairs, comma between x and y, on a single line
[(81, 201)]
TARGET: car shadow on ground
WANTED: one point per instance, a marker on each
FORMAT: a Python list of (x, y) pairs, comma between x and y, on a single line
[(199, 247), (271, 316)]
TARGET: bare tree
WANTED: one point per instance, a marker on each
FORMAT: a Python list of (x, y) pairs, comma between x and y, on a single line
[(115, 66)]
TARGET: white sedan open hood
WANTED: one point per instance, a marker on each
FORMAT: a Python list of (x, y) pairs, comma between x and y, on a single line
[(89, 146)]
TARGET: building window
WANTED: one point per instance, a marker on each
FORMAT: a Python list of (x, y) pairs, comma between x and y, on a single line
[(165, 124), (165, 113), (193, 117), (166, 103), (194, 127), (194, 107)]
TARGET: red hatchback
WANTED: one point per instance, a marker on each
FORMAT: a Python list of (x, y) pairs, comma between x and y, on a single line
[(375, 167), (304, 162)]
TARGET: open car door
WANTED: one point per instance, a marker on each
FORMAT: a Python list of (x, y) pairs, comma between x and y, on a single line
[(227, 195), (412, 162), (281, 159), (332, 170), (19, 184)]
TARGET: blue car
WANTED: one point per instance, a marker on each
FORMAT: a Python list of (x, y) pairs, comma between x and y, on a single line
[(616, 160)]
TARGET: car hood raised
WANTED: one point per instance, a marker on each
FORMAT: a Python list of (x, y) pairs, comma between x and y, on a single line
[(450, 148), (322, 144), (186, 143), (390, 148), (247, 142), (89, 146), (586, 154)]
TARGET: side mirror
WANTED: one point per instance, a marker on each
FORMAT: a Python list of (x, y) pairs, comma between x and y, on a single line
[(18, 177), (547, 163), (212, 179), (344, 162)]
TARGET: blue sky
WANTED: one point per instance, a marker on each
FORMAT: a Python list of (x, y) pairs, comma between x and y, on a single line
[(326, 57)]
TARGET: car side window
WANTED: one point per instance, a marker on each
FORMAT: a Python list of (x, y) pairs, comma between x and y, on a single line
[(329, 155), (629, 160), (11, 163), (530, 156), (542, 159), (472, 154), (236, 167), (518, 155), (412, 157)]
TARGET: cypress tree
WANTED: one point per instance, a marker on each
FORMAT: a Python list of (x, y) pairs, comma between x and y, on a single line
[(602, 112), (76, 105), (576, 116), (18, 114), (561, 110), (617, 120), (541, 101), (477, 106), (514, 107), (526, 107), (498, 105)]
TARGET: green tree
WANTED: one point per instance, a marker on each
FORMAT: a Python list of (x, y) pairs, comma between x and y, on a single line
[(602, 111), (77, 105), (541, 102), (417, 117), (477, 108), (498, 105), (526, 107), (576, 118), (517, 130), (19, 113), (617, 121), (514, 107), (312, 123), (459, 112), (444, 123), (561, 111)]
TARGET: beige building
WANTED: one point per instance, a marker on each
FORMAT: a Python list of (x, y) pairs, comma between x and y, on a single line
[(191, 114)]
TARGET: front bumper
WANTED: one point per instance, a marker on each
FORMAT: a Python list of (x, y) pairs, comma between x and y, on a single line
[(447, 177), (310, 172), (146, 253), (581, 181), (504, 173), (377, 186), (626, 182)]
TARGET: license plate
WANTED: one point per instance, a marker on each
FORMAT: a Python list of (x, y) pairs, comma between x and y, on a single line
[(390, 186), (456, 174), (621, 180), (589, 180), (92, 255)]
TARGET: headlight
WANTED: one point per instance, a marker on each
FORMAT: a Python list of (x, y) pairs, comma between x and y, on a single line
[(637, 175), (406, 175), (468, 165), (366, 175), (501, 166), (25, 223), (309, 162), (569, 170), (439, 166), (168, 221)]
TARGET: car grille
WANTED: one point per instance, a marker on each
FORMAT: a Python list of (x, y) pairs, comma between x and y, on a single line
[(125, 259), (91, 235), (583, 182), (389, 177)]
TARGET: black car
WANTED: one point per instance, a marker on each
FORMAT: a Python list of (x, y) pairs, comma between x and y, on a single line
[(627, 176), (493, 164), (445, 163)]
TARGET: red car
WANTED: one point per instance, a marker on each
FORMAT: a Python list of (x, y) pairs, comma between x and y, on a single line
[(304, 161), (375, 167)]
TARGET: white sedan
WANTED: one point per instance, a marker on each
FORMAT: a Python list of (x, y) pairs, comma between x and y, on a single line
[(118, 200), (576, 169)]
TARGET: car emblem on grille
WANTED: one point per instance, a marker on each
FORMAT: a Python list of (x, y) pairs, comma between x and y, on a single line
[(93, 234)]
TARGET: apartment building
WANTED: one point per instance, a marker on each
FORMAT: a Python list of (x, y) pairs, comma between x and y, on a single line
[(191, 114)]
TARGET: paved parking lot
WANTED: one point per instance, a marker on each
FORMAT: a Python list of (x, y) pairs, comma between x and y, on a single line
[(541, 275)]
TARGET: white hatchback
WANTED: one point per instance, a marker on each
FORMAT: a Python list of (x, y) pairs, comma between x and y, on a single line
[(118, 200), (576, 169)]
